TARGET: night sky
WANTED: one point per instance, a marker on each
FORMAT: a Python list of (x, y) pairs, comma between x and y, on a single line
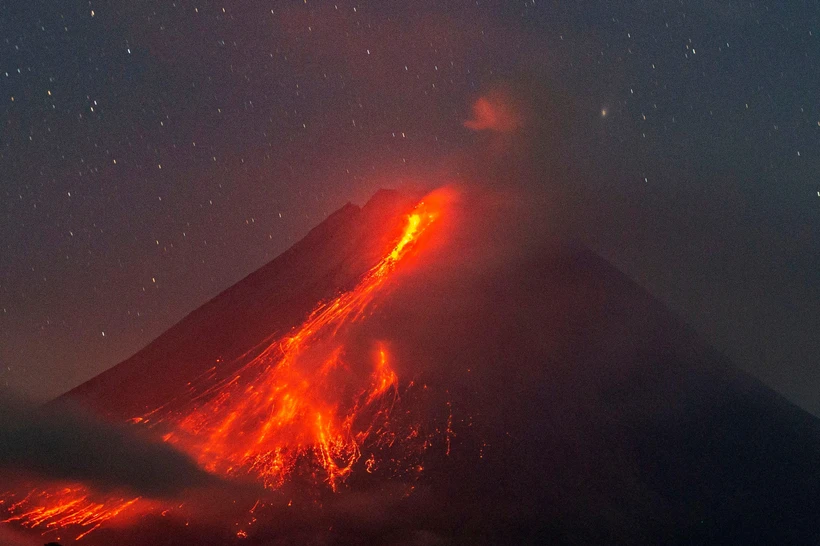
[(154, 153)]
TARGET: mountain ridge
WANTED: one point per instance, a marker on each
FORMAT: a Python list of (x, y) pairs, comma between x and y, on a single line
[(583, 410)]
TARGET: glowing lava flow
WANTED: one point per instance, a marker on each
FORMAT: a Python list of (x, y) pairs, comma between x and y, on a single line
[(65, 507), (307, 402), (302, 398)]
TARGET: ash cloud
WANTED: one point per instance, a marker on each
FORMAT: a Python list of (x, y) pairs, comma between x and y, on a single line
[(495, 112), (65, 443)]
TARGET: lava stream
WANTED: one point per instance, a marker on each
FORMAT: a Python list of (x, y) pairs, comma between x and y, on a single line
[(300, 396)]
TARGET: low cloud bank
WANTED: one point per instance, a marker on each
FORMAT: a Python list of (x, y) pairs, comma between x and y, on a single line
[(65, 443)]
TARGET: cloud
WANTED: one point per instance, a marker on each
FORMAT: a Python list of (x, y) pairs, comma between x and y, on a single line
[(495, 112), (11, 537), (66, 444)]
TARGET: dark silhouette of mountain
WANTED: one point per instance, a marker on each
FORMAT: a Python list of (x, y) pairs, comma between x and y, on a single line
[(263, 305), (584, 411)]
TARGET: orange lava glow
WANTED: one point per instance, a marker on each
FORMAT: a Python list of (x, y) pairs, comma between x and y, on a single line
[(70, 506), (307, 404), (301, 399)]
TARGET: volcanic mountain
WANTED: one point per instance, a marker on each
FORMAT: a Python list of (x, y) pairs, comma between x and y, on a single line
[(441, 370)]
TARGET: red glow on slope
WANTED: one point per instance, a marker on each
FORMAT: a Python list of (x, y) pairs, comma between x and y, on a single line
[(301, 398), (305, 403), (70, 506)]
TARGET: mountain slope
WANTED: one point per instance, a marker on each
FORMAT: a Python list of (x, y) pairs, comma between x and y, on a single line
[(577, 408)]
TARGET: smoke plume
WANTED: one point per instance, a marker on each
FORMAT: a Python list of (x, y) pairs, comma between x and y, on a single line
[(67, 444)]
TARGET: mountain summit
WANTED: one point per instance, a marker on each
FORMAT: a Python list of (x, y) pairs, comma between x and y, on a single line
[(440, 370)]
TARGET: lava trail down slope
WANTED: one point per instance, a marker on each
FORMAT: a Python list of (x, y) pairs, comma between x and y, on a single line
[(440, 370)]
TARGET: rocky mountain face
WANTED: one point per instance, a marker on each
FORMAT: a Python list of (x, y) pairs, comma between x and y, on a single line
[(562, 402)]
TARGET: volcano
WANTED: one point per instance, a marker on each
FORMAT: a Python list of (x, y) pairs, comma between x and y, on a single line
[(439, 369)]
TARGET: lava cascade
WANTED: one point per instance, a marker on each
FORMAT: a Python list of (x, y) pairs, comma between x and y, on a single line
[(299, 396)]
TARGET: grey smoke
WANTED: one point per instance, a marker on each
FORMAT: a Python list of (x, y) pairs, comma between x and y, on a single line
[(68, 444)]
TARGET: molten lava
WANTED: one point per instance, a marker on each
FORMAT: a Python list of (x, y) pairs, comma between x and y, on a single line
[(300, 397), (68, 506), (305, 404)]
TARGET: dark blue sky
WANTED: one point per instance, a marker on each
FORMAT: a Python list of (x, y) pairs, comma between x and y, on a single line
[(153, 153)]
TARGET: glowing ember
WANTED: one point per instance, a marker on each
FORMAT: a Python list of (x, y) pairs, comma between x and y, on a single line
[(306, 402), (64, 507)]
